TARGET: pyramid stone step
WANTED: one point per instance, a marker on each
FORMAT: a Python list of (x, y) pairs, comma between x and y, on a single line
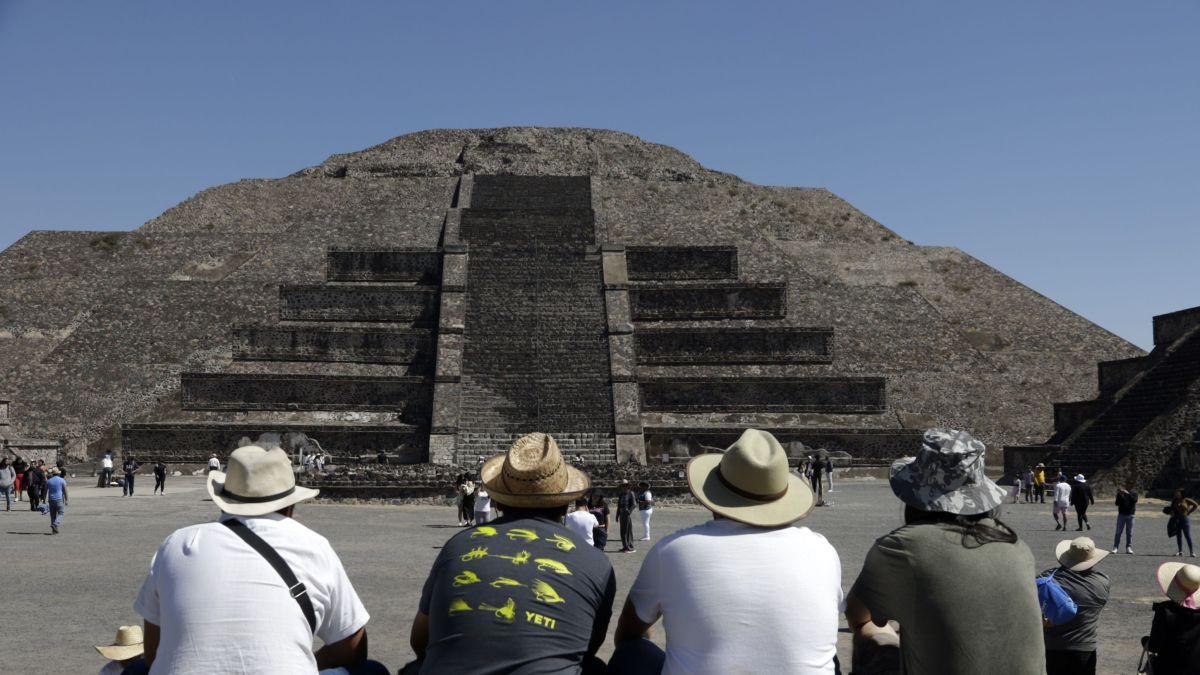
[(407, 395), (733, 345), (401, 304), (651, 263), (175, 442), (333, 344), (864, 395), (717, 300), (406, 264)]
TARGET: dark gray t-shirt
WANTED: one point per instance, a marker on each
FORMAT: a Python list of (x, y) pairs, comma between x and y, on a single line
[(515, 596), (1089, 590)]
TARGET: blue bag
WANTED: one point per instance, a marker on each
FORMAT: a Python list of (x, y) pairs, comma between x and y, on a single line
[(1057, 607)]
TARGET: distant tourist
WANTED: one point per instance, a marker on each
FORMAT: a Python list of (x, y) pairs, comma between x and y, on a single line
[(1126, 508), (106, 470), (626, 505), (521, 594), (1062, 500), (931, 574), (645, 501), (19, 466), (582, 522), (600, 510), (1180, 510), (483, 506), (466, 501), (56, 497), (125, 653), (1039, 483), (160, 478), (1027, 484), (7, 478), (214, 464), (1071, 646), (130, 468), (1016, 489), (1081, 499), (247, 593), (35, 481), (829, 473), (744, 592), (818, 488), (1175, 634)]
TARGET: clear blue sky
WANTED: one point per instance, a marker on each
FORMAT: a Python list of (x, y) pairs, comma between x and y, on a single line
[(1059, 142)]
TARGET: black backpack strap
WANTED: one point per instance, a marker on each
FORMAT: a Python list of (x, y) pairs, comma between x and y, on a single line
[(295, 587)]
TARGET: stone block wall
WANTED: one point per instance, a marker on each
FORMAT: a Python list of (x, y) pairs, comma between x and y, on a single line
[(417, 265), (713, 300), (751, 394), (679, 263), (658, 346), (335, 344), (359, 302)]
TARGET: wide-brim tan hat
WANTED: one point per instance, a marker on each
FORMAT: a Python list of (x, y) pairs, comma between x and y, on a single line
[(1079, 554), (129, 644), (533, 474), (750, 482), (1180, 582), (258, 481)]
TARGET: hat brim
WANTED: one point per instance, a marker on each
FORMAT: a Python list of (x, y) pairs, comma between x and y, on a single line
[(963, 500), (216, 488), (1166, 575), (1088, 563), (121, 652), (710, 491), (492, 475)]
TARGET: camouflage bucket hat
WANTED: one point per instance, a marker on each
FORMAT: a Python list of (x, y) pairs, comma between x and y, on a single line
[(946, 475)]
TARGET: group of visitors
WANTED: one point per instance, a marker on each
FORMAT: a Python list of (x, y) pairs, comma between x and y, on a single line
[(130, 468), (813, 468), (20, 479)]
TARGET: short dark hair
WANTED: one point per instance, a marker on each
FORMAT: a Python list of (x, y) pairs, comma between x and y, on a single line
[(582, 501)]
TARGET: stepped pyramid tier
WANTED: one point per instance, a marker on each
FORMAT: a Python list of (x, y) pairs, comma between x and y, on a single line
[(432, 297), (1143, 429)]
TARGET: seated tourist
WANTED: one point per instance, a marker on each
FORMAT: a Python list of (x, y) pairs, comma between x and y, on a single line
[(1175, 634), (954, 577), (248, 593), (521, 593), (1071, 646), (125, 653), (745, 592)]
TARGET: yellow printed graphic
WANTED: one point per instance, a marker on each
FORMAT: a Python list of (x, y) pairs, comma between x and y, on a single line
[(544, 592), (458, 606), (505, 614), (474, 554), (548, 565), (561, 543), (466, 578), (520, 534), (540, 620), (484, 531), (518, 559), (501, 582)]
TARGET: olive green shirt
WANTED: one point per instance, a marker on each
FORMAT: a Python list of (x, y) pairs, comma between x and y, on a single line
[(961, 609)]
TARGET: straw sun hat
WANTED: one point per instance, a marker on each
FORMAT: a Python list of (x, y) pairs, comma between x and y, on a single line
[(533, 474), (1181, 583), (750, 482), (1079, 554), (127, 645), (258, 481)]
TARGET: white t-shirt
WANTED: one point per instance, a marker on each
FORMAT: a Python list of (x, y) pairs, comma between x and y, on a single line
[(214, 463), (581, 523), (222, 608), (106, 463), (483, 503), (1062, 494), (646, 497), (739, 599)]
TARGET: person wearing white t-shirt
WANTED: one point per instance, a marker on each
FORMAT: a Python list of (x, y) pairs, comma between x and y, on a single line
[(106, 469), (483, 506), (581, 521), (214, 464), (1062, 501), (213, 604), (728, 591)]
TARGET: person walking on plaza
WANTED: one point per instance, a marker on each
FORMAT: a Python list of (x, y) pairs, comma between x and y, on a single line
[(815, 482), (829, 473), (1181, 509), (160, 478), (1081, 499), (1071, 646), (56, 496), (727, 591), (19, 467), (523, 594), (125, 653), (249, 592), (1174, 642), (645, 502), (956, 578), (582, 521), (35, 481), (214, 464), (130, 467), (1027, 484), (600, 510), (1016, 489), (1062, 499), (626, 505), (7, 478), (106, 470), (1039, 483), (1126, 508)]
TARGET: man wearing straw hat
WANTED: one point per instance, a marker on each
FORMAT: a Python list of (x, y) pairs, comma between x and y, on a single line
[(1071, 646), (1175, 635), (746, 591), (521, 593), (248, 593), (125, 653)]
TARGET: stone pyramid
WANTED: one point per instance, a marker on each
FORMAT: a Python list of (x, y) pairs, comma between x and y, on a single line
[(431, 297)]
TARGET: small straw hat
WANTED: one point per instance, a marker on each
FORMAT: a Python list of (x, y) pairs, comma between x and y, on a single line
[(1079, 554), (533, 474), (1181, 583), (750, 482), (258, 481), (127, 645)]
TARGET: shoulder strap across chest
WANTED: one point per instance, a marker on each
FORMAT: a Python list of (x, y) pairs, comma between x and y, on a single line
[(295, 587)]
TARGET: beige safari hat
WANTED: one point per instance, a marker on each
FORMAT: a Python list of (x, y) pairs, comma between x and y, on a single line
[(258, 481), (533, 474), (1181, 583), (750, 482), (127, 645), (1079, 554)]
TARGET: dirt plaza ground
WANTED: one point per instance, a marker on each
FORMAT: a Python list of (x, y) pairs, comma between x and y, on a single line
[(68, 592)]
